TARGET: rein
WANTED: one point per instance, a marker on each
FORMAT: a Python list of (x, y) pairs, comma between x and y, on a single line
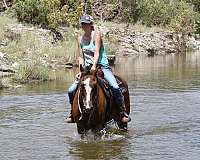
[(79, 107)]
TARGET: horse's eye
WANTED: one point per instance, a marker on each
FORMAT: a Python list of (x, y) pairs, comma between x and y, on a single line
[(93, 79)]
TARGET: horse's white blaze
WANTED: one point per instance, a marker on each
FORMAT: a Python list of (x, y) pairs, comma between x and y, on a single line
[(88, 90)]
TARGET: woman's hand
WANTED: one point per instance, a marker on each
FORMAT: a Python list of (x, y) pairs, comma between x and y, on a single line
[(93, 68)]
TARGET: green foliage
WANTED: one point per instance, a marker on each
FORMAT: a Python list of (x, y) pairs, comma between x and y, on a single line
[(197, 27), (195, 3), (130, 11), (87, 6), (27, 10), (185, 18), (49, 13), (71, 16), (177, 14), (156, 12), (53, 13)]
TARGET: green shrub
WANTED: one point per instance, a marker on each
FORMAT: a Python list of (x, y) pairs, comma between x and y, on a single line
[(155, 12), (49, 13), (130, 11), (197, 27), (31, 71), (28, 10), (195, 3), (185, 18), (183, 24), (164, 12)]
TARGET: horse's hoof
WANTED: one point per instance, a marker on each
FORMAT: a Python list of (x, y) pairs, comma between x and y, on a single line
[(124, 129)]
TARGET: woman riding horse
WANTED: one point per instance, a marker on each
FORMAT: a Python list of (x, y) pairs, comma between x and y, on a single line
[(93, 53)]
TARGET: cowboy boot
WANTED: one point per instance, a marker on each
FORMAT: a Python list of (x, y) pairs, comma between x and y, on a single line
[(124, 116), (70, 119)]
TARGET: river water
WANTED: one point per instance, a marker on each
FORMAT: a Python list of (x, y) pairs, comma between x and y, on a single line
[(165, 111)]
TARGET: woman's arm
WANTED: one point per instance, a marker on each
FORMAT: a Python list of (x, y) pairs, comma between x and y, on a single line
[(97, 40)]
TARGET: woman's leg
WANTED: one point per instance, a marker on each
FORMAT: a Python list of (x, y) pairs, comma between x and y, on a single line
[(71, 90), (71, 93), (108, 75)]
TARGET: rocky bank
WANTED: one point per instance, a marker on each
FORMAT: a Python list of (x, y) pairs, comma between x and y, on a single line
[(121, 40)]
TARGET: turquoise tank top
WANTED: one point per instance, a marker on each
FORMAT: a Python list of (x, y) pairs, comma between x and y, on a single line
[(89, 50)]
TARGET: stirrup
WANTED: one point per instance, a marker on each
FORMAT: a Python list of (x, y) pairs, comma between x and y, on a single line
[(124, 114), (69, 119)]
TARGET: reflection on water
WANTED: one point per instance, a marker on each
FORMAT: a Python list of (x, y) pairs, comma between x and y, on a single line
[(63, 78), (165, 111), (99, 150), (170, 71)]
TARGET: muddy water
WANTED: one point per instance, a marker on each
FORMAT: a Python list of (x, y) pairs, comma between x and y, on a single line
[(165, 103)]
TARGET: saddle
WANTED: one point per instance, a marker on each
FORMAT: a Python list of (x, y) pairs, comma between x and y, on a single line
[(106, 88), (109, 95)]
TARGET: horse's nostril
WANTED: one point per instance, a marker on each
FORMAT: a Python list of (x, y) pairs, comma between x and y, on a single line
[(86, 110)]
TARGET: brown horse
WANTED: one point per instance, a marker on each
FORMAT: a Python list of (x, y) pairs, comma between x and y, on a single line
[(92, 109)]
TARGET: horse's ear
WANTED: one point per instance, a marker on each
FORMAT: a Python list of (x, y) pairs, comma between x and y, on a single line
[(100, 73), (94, 72), (81, 68)]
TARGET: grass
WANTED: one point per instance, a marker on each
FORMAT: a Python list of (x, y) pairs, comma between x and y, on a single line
[(28, 72), (137, 27), (34, 51)]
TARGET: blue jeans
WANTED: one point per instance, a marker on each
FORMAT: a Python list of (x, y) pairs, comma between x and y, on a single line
[(108, 75), (72, 89)]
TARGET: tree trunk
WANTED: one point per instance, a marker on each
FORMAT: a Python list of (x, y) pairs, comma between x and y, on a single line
[(4, 1)]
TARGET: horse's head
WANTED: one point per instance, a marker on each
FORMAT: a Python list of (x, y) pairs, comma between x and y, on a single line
[(88, 91), (86, 71)]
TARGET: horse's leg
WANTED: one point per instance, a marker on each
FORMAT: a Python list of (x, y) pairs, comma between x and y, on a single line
[(117, 118), (122, 126), (97, 131), (127, 101), (80, 130)]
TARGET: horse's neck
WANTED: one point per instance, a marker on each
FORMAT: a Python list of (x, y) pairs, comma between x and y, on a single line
[(101, 99)]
